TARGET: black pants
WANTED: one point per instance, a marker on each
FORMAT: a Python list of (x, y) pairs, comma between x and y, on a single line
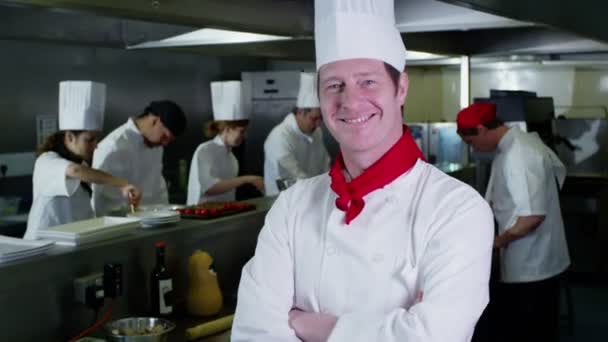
[(528, 311)]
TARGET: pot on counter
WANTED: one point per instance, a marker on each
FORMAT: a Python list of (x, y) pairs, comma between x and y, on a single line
[(139, 329)]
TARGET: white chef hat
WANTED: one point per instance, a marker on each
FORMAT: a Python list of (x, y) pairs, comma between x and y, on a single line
[(348, 29), (307, 95), (81, 105), (228, 101)]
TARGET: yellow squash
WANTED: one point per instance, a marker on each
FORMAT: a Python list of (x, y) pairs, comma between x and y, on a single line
[(204, 296)]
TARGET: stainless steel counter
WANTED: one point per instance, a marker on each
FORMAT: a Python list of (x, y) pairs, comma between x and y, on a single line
[(36, 294)]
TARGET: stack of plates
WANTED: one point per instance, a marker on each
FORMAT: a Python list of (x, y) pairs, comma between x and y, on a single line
[(92, 230), (13, 249), (151, 219)]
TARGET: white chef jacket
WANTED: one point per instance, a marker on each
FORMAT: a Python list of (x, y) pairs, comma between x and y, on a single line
[(57, 198), (524, 181), (424, 232), (123, 153), (291, 154), (212, 162)]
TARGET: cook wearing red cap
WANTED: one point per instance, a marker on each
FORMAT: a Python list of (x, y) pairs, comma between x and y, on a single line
[(523, 190), (475, 126), (476, 114)]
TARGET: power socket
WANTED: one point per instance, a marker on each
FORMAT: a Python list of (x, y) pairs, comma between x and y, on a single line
[(92, 285)]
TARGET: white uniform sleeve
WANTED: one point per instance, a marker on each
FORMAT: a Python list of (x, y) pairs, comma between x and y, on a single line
[(206, 177), (266, 289), (525, 178), (106, 198), (454, 271), (55, 183)]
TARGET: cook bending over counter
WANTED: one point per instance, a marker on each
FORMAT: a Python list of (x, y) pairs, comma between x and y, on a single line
[(62, 176), (214, 169)]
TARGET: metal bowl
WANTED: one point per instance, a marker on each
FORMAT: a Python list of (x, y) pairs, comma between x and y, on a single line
[(140, 329)]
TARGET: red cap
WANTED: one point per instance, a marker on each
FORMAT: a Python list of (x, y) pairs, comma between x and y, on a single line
[(160, 244), (476, 114)]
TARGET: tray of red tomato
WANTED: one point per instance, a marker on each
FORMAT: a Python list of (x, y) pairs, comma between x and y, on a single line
[(211, 210)]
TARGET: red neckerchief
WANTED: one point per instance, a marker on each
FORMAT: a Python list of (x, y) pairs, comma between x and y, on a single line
[(396, 161)]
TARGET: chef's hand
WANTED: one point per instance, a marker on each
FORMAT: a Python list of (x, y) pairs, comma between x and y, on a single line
[(256, 181), (131, 193), (310, 326)]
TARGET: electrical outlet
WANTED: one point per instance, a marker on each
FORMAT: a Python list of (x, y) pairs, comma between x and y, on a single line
[(93, 282)]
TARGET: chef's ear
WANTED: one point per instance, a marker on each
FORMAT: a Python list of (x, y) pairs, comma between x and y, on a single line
[(481, 129), (69, 137), (155, 120)]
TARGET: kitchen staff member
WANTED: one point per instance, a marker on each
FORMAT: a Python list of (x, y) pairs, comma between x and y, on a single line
[(523, 191), (384, 248), (61, 173), (214, 169), (135, 151), (294, 148)]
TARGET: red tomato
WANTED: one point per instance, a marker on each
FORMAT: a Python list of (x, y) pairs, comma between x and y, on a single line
[(188, 211)]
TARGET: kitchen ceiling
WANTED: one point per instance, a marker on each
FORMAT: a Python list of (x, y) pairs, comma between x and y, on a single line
[(446, 27)]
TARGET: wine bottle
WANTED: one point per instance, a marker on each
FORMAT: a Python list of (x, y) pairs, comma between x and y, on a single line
[(161, 285)]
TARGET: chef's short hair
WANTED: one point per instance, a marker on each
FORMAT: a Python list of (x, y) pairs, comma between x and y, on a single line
[(393, 73), (305, 110), (213, 128), (170, 113), (492, 124)]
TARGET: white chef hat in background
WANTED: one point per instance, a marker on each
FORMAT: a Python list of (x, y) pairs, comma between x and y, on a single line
[(228, 102), (349, 29), (307, 94), (81, 105)]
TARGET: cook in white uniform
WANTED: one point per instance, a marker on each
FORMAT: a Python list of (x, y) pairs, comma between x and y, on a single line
[(385, 247), (61, 175), (294, 148), (135, 151), (523, 191), (214, 169)]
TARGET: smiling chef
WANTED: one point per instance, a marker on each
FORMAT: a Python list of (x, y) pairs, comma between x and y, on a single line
[(385, 247)]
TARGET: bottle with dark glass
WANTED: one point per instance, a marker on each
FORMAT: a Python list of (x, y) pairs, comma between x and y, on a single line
[(161, 285)]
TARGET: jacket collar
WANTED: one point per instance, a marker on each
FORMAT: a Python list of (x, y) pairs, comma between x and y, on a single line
[(292, 124)]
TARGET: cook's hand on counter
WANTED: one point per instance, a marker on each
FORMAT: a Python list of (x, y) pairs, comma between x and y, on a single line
[(311, 326), (256, 181), (131, 193)]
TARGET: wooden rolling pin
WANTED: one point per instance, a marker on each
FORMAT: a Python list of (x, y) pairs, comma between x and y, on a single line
[(209, 328)]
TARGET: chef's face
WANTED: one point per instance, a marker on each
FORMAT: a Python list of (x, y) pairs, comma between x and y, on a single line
[(82, 144), (234, 136), (309, 119), (361, 105), (158, 134), (480, 141)]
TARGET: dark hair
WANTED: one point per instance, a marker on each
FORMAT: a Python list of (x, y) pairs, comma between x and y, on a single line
[(303, 110), (212, 128), (170, 113), (56, 143), (492, 124)]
